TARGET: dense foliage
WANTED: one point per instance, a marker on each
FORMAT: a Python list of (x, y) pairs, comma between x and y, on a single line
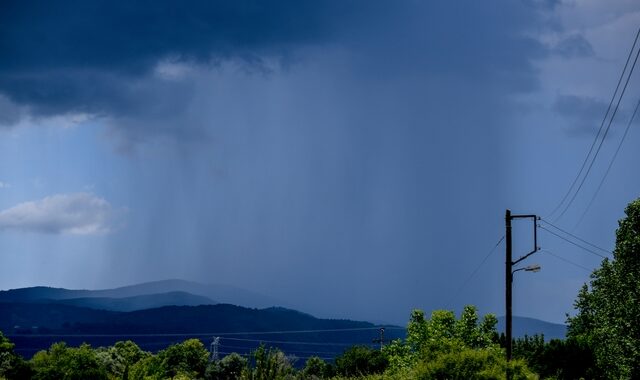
[(608, 309), (12, 366), (441, 347), (445, 348), (361, 361), (557, 359)]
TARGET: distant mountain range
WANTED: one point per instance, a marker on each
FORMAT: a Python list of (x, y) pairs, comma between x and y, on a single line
[(164, 294), (134, 303), (61, 319), (156, 314), (160, 313), (530, 326)]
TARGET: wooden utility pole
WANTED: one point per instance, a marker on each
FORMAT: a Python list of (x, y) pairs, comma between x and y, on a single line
[(508, 280), (509, 263)]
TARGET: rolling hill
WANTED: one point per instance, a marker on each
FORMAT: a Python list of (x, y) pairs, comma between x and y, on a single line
[(35, 326), (530, 326), (137, 302), (209, 293)]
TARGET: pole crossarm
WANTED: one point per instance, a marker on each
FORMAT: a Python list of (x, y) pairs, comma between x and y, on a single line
[(524, 216)]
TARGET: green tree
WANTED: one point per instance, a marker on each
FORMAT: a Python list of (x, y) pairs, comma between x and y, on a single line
[(470, 364), (149, 368), (269, 364), (67, 363), (316, 368), (119, 358), (12, 366), (229, 368), (442, 333), (443, 347), (187, 358), (360, 361), (558, 359), (608, 309)]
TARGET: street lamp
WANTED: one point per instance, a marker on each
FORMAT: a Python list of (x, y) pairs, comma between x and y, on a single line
[(531, 268)]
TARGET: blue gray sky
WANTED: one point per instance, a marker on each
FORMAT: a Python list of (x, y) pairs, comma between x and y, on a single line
[(350, 158)]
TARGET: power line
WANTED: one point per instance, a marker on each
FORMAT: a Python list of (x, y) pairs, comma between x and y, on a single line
[(593, 144), (163, 343), (295, 356), (108, 335), (306, 331), (294, 342), (248, 355), (299, 351), (604, 136), (198, 334), (566, 260), (574, 243), (478, 267), (575, 237), (615, 155)]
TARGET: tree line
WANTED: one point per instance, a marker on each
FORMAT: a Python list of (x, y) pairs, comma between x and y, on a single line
[(434, 347)]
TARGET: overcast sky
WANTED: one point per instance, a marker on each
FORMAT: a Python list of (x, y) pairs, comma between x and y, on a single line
[(350, 158)]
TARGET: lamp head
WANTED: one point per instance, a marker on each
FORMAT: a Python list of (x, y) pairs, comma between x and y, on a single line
[(533, 268)]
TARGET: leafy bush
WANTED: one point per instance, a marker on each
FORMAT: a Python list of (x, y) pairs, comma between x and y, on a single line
[(119, 358), (188, 358), (271, 364), (316, 368), (361, 361), (558, 359), (149, 368), (442, 333), (67, 363), (230, 367), (471, 364), (12, 366)]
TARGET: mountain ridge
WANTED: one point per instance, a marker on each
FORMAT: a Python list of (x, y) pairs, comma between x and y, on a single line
[(530, 326), (144, 296), (218, 292), (141, 302), (35, 326)]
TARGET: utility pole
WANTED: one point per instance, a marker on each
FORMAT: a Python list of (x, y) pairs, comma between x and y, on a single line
[(381, 339), (509, 280), (509, 263)]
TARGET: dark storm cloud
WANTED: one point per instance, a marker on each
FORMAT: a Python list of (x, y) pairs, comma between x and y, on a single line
[(75, 56), (98, 57), (131, 36)]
